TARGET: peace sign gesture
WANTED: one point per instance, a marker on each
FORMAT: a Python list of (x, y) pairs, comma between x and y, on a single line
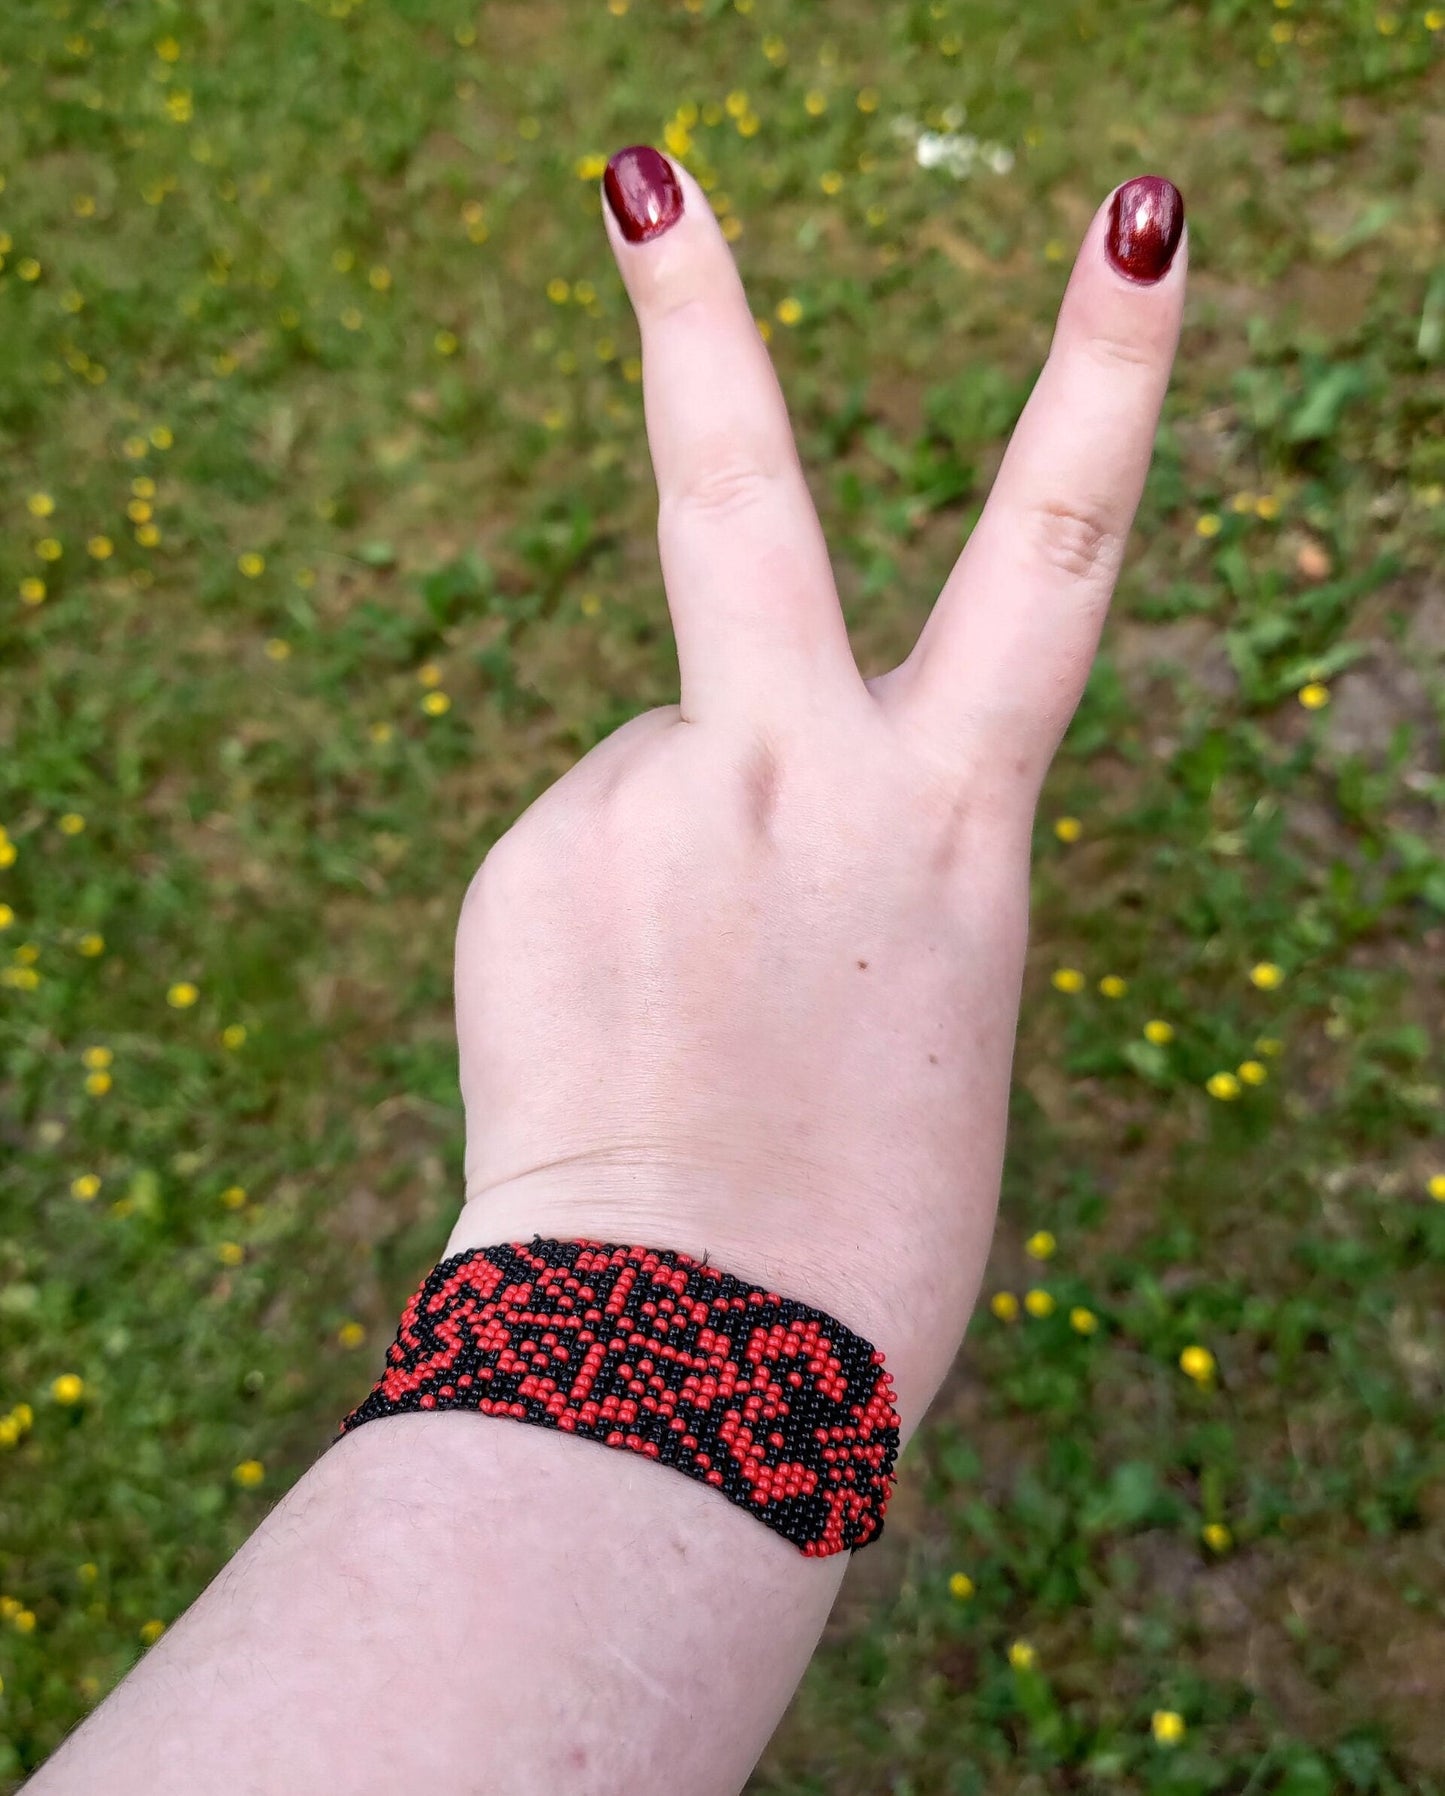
[(745, 981)]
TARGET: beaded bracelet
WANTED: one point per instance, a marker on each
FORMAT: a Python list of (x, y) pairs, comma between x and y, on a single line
[(777, 1405)]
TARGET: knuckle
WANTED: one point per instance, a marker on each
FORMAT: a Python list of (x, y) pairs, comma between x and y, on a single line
[(727, 477), (1121, 352), (1078, 539)]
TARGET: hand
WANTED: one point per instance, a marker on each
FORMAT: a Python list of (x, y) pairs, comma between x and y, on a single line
[(745, 981)]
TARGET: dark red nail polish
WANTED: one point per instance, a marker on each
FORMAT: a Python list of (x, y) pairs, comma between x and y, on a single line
[(643, 193), (1146, 222)]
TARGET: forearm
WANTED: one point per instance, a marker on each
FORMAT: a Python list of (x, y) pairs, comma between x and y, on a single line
[(469, 1601)]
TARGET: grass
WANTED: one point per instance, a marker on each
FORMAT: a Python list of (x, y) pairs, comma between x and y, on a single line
[(307, 311)]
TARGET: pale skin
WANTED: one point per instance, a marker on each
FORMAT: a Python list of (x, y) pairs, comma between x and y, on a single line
[(743, 983)]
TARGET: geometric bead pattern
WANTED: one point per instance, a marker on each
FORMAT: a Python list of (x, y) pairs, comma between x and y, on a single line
[(775, 1404)]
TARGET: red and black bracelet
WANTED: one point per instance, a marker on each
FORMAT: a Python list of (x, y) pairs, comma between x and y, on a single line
[(775, 1404)]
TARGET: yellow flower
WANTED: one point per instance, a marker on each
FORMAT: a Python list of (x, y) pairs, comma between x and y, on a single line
[(249, 1473), (591, 168), (1216, 1537), (230, 1253), (1167, 1727), (789, 311), (1269, 1045), (1159, 1032), (27, 954), (429, 674), (161, 436), (1266, 975), (234, 1197), (182, 995), (436, 704), (736, 104), (98, 1084), (147, 535), (49, 548), (1208, 524), (1387, 23), (151, 1631), (85, 1187), (7, 916), (1039, 1303), (135, 448), (168, 50), (87, 1573), (1022, 1656), (1267, 506), (139, 511), (815, 102), (1197, 1363), (1040, 1245), (1435, 19), (1083, 1321), (32, 590), (960, 1585), (233, 1036), (1242, 502), (446, 343), (1112, 986), (379, 279), (278, 649), (1068, 829), (251, 564), (1068, 979), (1223, 1086), (1315, 696), (68, 1389), (1005, 1306), (381, 732), (40, 505), (97, 1059), (22, 1415), (70, 824), (180, 106), (29, 269), (1252, 1072), (590, 604), (143, 487), (8, 852), (351, 1334), (868, 99), (558, 290), (831, 181), (1435, 1185), (23, 1621)]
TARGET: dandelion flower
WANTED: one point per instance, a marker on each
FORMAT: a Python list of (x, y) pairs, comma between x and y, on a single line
[(1223, 1086), (233, 1036), (249, 1473), (32, 590), (251, 564), (1068, 979), (961, 1586), (1197, 1363), (1266, 975), (1159, 1032), (86, 1187), (151, 1631), (1216, 1537), (70, 824), (1435, 1185), (1315, 696), (182, 995), (1209, 524), (789, 311), (1022, 1656), (234, 1197), (1253, 1072), (1040, 1245), (1112, 986), (1167, 1726), (1039, 1303), (1083, 1321), (1068, 829), (230, 1253), (1005, 1306), (351, 1335), (436, 704), (68, 1389), (40, 505)]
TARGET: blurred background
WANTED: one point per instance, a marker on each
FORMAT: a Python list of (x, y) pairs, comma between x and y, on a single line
[(327, 542)]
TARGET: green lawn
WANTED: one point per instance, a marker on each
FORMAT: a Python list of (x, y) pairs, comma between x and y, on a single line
[(326, 543)]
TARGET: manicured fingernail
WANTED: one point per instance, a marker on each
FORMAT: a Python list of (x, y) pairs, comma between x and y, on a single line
[(643, 193), (1146, 222)]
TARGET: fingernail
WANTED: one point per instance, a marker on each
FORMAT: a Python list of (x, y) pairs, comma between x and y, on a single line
[(643, 193), (1146, 222)]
